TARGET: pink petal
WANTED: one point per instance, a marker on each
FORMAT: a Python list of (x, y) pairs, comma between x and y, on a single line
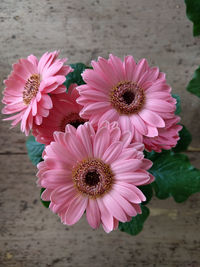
[(46, 195), (109, 115), (93, 213), (133, 188), (141, 67), (139, 124), (53, 69), (126, 138), (38, 119), (114, 208), (24, 119), (84, 134), (94, 107), (129, 65), (46, 102), (93, 79), (151, 118), (159, 105), (112, 152), (33, 60), (129, 165), (152, 131), (75, 146), (123, 202), (101, 142), (47, 57), (115, 135), (34, 107), (125, 123), (104, 69), (117, 66), (63, 193), (76, 209), (136, 178), (106, 217), (137, 136)]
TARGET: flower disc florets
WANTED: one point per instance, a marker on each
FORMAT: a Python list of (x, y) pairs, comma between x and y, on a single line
[(92, 177), (127, 98)]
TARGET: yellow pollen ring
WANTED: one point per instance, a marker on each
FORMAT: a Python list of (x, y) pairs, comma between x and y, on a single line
[(31, 88), (92, 189), (127, 97)]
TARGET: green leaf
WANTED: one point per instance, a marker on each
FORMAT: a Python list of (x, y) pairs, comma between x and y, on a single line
[(184, 141), (147, 191), (35, 150), (75, 76), (154, 155), (193, 14), (194, 85), (45, 203), (175, 176), (178, 104), (136, 224)]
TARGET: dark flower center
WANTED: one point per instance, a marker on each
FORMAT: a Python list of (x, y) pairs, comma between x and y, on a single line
[(76, 123), (92, 177), (73, 118), (31, 88), (127, 98)]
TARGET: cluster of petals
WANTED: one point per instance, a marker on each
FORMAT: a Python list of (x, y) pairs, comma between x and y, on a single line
[(29, 86), (65, 111), (109, 146), (167, 137), (94, 134), (135, 95)]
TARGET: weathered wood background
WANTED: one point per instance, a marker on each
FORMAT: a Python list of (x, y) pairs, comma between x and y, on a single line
[(31, 235)]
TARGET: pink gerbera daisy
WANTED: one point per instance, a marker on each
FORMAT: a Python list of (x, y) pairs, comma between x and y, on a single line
[(28, 88), (65, 111), (135, 95), (167, 137), (94, 171)]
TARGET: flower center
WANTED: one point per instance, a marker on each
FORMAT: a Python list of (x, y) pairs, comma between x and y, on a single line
[(73, 118), (127, 97), (31, 88), (92, 177)]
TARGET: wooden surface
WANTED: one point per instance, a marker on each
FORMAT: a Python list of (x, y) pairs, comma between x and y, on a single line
[(31, 235)]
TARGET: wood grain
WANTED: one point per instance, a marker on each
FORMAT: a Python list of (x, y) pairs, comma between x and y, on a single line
[(31, 235)]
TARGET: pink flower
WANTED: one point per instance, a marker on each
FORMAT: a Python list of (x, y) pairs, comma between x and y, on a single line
[(28, 88), (167, 137), (65, 111), (94, 171), (135, 95)]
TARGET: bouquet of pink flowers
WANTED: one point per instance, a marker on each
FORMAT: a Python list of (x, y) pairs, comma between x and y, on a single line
[(104, 138)]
